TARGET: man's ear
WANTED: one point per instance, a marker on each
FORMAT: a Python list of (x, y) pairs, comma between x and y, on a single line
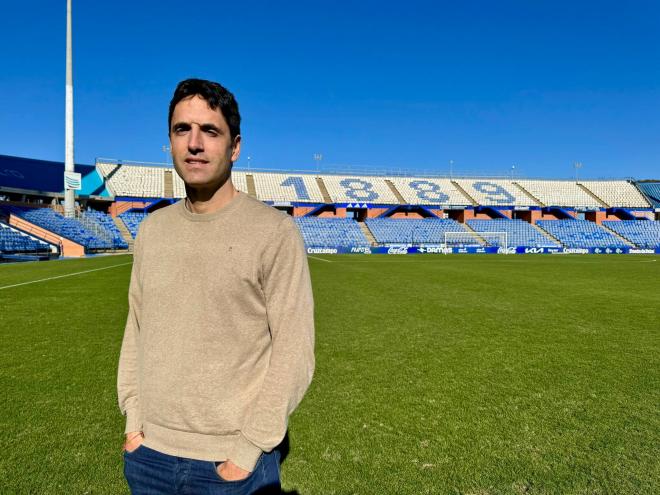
[(236, 148)]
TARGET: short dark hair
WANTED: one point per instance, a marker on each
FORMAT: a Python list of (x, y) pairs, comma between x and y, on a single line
[(216, 95)]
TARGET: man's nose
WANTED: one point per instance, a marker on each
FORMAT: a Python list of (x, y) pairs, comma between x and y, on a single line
[(195, 143)]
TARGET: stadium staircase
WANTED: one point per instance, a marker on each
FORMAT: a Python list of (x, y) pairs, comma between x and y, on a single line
[(168, 184), (547, 234), (125, 234), (252, 189), (94, 227), (324, 190), (587, 191), (464, 192), (529, 194), (367, 233), (396, 193), (481, 240), (619, 236)]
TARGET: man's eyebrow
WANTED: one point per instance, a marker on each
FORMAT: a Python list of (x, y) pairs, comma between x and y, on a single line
[(205, 126), (179, 124), (209, 127)]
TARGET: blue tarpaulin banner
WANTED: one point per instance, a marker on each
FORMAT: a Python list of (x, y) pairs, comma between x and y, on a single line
[(407, 249)]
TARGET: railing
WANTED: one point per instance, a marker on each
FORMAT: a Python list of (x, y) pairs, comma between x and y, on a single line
[(91, 224)]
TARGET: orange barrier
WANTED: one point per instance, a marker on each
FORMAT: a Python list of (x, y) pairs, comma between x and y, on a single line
[(67, 248), (119, 207)]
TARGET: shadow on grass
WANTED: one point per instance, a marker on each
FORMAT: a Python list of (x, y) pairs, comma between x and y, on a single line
[(284, 449)]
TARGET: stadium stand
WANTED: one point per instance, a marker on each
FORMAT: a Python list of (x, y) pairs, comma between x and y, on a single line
[(652, 191), (617, 193), (495, 192), (69, 228), (287, 187), (133, 180), (559, 193), (239, 178), (138, 187), (425, 191), (331, 232), (643, 233), (581, 234), (106, 227), (412, 231), (347, 189), (13, 241), (179, 188), (519, 232), (132, 220)]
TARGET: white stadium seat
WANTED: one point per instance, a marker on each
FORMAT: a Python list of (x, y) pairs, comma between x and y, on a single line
[(133, 180), (287, 187), (358, 189), (495, 192), (427, 191), (559, 193), (617, 193)]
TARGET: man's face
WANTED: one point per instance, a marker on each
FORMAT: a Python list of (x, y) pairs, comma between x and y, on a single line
[(202, 148)]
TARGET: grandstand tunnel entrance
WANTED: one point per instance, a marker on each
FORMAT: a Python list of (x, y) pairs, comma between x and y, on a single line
[(285, 209), (358, 214)]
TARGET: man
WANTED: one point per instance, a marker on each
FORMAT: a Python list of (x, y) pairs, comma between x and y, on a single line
[(219, 343)]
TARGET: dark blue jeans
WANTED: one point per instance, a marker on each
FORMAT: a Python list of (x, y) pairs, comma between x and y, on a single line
[(149, 472)]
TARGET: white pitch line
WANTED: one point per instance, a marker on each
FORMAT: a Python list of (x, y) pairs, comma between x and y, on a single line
[(63, 276), (320, 259)]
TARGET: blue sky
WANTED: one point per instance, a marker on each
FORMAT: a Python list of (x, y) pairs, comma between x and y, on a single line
[(396, 85)]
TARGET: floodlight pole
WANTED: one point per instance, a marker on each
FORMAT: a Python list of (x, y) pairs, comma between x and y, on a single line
[(166, 149), (69, 194), (577, 165)]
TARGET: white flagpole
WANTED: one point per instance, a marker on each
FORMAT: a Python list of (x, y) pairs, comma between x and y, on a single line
[(69, 194)]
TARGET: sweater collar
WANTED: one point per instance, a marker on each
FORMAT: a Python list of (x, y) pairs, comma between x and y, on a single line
[(209, 217)]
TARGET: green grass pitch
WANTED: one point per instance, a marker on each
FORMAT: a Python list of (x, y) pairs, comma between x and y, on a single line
[(435, 374)]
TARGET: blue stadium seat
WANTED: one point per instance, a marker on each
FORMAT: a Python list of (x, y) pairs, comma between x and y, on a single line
[(581, 234), (69, 228), (652, 192), (104, 221), (331, 232), (132, 220), (643, 233), (12, 241), (412, 231), (519, 232)]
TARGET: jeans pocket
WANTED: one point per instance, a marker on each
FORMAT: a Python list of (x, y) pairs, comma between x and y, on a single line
[(249, 477), (134, 451)]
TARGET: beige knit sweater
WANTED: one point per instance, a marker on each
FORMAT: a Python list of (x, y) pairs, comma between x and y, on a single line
[(219, 343)]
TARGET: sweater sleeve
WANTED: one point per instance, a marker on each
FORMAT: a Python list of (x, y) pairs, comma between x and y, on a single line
[(290, 307), (127, 373)]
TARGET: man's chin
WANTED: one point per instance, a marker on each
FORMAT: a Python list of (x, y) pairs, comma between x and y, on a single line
[(204, 185), (198, 181)]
